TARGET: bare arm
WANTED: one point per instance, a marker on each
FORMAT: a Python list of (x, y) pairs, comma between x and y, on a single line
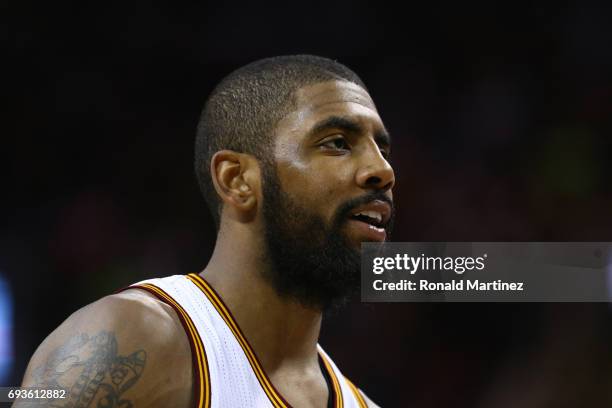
[(124, 350)]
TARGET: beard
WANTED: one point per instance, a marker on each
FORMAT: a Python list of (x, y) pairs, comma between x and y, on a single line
[(310, 262)]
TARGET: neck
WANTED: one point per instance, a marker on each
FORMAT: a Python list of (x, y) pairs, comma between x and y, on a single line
[(281, 331)]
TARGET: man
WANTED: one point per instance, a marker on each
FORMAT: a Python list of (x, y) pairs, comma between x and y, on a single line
[(291, 156)]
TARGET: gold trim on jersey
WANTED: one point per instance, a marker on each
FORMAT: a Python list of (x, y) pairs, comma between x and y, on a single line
[(275, 398), (358, 396), (202, 380), (339, 401)]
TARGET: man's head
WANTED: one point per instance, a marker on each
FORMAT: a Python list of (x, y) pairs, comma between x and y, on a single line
[(244, 108), (324, 183)]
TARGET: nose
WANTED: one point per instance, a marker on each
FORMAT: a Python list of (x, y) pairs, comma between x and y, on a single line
[(375, 172)]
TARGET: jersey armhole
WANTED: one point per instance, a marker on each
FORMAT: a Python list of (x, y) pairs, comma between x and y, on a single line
[(201, 372)]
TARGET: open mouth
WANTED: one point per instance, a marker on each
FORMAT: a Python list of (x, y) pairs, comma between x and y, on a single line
[(369, 221), (373, 218)]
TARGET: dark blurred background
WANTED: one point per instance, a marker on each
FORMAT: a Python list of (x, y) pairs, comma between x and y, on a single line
[(501, 116)]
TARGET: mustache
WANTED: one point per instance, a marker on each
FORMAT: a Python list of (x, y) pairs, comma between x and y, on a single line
[(345, 209)]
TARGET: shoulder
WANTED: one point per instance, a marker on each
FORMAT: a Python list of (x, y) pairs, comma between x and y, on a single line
[(354, 389), (127, 348), (369, 402), (366, 399), (361, 394)]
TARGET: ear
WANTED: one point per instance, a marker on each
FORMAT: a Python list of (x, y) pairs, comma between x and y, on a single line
[(233, 176)]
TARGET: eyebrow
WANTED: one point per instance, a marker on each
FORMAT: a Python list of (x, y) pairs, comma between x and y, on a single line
[(382, 137)]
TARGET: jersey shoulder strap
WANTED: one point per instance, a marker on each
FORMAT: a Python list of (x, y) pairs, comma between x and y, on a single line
[(172, 292), (348, 394)]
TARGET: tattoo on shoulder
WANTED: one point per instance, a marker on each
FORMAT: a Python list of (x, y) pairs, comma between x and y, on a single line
[(91, 371)]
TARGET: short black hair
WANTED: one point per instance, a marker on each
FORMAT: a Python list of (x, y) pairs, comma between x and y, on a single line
[(244, 108)]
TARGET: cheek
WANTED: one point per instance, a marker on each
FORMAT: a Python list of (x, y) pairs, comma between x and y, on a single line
[(319, 192), (334, 183)]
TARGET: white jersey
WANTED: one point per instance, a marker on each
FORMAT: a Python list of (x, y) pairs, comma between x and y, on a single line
[(227, 373)]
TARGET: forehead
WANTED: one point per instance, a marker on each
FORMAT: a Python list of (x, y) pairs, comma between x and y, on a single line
[(324, 94), (314, 103)]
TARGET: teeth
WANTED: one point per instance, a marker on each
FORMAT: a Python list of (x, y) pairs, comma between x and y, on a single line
[(372, 214)]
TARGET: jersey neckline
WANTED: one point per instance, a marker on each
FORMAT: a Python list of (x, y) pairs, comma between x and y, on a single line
[(277, 400)]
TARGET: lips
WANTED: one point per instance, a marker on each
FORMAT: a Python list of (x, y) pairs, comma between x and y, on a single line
[(376, 213), (368, 222)]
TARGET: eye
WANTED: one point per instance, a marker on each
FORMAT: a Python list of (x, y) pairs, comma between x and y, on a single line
[(336, 143)]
